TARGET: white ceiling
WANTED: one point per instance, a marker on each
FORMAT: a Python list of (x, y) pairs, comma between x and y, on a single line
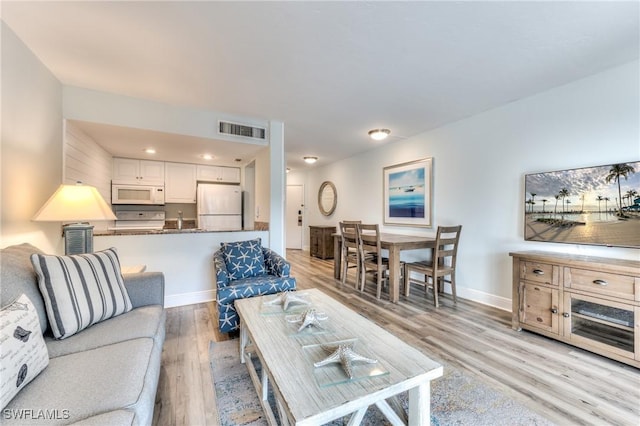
[(330, 70)]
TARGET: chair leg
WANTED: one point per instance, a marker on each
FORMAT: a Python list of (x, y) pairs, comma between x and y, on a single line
[(407, 283), (378, 284), (435, 290), (345, 267), (453, 287)]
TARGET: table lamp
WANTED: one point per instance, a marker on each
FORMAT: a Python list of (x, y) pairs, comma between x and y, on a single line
[(75, 203)]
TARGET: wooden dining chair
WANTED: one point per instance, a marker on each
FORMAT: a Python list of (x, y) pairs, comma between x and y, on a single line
[(441, 265), (349, 249), (371, 259)]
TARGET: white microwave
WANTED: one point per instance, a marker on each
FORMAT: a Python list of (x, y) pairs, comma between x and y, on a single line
[(137, 194)]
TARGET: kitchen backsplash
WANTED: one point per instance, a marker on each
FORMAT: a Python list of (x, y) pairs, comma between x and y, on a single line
[(188, 211)]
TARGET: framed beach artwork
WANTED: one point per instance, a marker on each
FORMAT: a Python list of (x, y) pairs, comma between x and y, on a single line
[(592, 205), (407, 193)]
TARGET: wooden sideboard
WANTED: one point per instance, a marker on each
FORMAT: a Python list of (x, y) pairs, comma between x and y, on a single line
[(321, 241), (589, 302)]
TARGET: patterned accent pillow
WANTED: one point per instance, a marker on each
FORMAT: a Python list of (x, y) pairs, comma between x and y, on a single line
[(24, 353), (244, 259), (81, 290)]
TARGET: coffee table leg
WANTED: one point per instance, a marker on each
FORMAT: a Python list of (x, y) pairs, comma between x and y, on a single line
[(243, 341), (420, 405), (265, 385)]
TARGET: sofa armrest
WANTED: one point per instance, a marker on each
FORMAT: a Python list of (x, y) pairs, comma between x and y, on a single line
[(275, 264), (146, 288), (220, 270)]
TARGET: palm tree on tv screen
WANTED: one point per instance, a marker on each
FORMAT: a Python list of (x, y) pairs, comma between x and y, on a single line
[(564, 193), (600, 198), (630, 196), (615, 173)]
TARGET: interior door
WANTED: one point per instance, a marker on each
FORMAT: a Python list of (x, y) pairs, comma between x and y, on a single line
[(294, 216)]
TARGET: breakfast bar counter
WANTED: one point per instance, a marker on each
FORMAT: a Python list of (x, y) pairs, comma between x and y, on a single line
[(161, 232), (184, 256)]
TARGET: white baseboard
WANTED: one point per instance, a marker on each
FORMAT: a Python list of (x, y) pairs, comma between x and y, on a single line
[(481, 297), (183, 299), (503, 303)]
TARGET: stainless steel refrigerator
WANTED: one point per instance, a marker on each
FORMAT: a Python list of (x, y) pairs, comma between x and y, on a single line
[(219, 207)]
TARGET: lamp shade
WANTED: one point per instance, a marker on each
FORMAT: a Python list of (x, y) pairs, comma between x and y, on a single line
[(74, 203)]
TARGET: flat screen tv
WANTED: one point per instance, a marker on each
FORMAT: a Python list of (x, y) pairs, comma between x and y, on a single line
[(592, 205)]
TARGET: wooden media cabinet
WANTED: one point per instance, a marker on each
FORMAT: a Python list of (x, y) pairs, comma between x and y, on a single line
[(589, 302)]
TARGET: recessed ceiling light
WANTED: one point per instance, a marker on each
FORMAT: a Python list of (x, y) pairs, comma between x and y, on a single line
[(150, 150), (207, 157), (379, 134), (310, 160)]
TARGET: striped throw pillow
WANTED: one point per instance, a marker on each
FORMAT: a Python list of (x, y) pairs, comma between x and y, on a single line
[(81, 290)]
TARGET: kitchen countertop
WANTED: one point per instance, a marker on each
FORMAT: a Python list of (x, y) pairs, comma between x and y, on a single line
[(161, 232)]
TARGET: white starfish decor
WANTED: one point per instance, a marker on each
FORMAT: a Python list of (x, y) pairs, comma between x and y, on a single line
[(310, 318), (345, 355), (287, 298)]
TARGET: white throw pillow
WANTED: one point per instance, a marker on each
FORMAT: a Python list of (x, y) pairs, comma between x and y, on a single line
[(81, 290), (22, 348)]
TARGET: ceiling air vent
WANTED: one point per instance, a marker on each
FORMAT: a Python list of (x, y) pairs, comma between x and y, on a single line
[(227, 128)]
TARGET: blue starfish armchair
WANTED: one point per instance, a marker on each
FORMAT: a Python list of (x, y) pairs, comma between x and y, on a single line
[(246, 269)]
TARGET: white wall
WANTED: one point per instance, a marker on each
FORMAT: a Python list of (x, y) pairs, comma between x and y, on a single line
[(100, 107), (479, 168), (184, 258), (262, 188), (87, 162), (32, 132)]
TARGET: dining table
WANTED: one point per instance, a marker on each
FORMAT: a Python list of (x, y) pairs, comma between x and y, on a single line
[(394, 243)]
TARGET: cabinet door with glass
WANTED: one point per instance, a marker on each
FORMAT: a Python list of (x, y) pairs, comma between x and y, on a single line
[(602, 325)]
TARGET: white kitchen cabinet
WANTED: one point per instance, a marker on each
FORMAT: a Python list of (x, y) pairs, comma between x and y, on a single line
[(218, 174), (129, 171), (179, 183)]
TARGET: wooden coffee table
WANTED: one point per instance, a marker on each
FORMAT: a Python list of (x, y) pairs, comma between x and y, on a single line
[(304, 395)]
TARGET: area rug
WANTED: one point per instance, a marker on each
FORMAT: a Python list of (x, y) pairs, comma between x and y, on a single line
[(456, 398)]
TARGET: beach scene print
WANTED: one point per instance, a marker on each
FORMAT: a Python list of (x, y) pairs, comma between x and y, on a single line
[(593, 205), (406, 193)]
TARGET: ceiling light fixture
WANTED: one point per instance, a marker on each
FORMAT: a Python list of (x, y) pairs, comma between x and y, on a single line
[(207, 157), (310, 160), (150, 151), (379, 134)]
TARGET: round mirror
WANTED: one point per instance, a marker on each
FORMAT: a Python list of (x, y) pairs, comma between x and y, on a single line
[(327, 198)]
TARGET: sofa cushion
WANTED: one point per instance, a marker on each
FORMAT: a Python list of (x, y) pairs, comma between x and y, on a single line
[(244, 258), (18, 277), (94, 382), (81, 290), (24, 354), (147, 321)]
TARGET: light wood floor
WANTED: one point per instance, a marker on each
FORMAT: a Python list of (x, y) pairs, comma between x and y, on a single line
[(564, 384)]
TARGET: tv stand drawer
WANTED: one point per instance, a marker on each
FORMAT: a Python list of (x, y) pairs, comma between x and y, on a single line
[(622, 286)]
